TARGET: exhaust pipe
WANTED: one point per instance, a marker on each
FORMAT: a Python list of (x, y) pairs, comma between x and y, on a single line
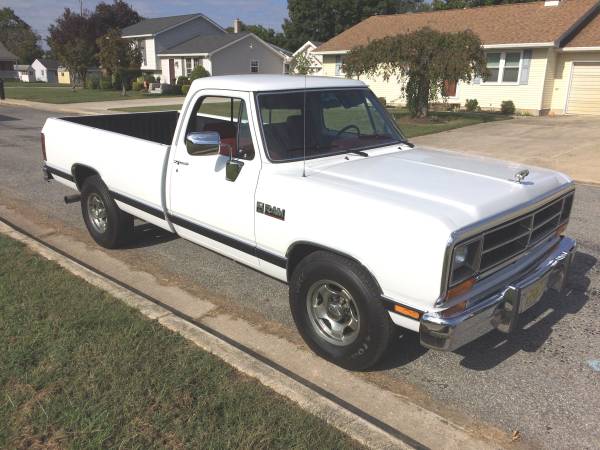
[(72, 198)]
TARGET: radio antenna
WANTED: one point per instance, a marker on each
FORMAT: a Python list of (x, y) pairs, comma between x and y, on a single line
[(304, 131)]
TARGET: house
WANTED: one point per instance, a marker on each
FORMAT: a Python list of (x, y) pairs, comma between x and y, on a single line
[(64, 75), (307, 50), (174, 46), (544, 56), (46, 70), (25, 73), (7, 63)]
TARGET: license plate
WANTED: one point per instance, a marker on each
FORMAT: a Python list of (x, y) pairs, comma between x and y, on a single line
[(532, 294)]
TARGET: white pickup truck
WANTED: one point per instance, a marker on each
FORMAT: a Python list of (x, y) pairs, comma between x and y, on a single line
[(310, 181)]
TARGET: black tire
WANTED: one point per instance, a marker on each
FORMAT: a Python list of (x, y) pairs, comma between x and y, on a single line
[(119, 224), (375, 326)]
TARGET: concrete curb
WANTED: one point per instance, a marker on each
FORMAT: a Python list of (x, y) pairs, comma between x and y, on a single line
[(351, 424)]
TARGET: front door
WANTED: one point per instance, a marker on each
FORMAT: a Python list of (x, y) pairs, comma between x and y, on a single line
[(171, 71), (205, 207)]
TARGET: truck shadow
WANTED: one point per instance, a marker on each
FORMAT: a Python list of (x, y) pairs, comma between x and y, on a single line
[(147, 235), (536, 324), (535, 327)]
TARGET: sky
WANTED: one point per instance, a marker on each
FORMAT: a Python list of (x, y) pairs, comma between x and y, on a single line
[(39, 14)]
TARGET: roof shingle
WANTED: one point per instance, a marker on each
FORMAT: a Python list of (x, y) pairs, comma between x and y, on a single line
[(156, 25), (516, 23), (5, 54), (589, 36)]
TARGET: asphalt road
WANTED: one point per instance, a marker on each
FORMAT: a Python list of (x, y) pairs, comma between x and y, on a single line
[(540, 381)]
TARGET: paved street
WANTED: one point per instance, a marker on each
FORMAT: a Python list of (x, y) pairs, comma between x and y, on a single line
[(540, 381)]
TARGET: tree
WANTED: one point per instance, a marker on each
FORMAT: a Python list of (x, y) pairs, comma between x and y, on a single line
[(18, 37), (198, 72), (71, 39), (119, 57), (266, 34), (422, 61), (321, 20), (302, 64), (118, 14)]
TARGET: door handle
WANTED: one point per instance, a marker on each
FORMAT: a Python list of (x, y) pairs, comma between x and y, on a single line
[(181, 163)]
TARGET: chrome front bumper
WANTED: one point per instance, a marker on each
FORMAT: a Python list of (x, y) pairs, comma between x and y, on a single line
[(501, 309)]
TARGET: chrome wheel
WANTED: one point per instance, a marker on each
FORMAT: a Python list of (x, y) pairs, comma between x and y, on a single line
[(333, 312), (97, 213)]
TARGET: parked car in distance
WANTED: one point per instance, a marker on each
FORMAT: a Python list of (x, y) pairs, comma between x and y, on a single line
[(310, 181)]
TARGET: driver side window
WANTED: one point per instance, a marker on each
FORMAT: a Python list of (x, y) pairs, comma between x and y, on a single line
[(228, 117)]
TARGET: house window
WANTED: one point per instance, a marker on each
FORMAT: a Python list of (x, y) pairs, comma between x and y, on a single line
[(286, 69), (503, 67), (254, 66), (338, 65), (142, 49), (188, 66), (197, 62)]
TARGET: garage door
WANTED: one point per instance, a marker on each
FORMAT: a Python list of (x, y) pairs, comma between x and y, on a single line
[(584, 92)]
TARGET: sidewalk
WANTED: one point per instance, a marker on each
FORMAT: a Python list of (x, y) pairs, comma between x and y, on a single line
[(94, 107)]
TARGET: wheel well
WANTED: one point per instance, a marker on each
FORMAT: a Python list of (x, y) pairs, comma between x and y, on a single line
[(301, 250), (81, 173)]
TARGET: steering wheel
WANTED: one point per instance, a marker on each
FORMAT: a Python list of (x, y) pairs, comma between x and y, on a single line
[(346, 128)]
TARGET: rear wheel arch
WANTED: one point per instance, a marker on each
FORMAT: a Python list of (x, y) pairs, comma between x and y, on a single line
[(81, 172), (300, 250)]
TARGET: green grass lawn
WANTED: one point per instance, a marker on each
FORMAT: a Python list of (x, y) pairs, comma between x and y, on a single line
[(440, 121), (40, 92), (79, 369)]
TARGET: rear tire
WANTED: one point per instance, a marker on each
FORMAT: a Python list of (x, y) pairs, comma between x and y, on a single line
[(334, 303), (107, 224)]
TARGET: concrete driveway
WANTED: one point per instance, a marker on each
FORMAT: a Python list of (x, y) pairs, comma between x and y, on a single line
[(570, 144)]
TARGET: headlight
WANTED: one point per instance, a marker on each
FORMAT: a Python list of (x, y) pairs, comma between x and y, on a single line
[(465, 261)]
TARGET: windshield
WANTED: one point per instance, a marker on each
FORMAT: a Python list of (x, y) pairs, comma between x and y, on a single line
[(337, 121)]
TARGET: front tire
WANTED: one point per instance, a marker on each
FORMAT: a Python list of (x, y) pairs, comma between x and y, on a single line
[(107, 224), (334, 303)]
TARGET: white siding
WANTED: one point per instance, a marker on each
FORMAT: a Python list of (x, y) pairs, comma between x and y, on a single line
[(525, 97)]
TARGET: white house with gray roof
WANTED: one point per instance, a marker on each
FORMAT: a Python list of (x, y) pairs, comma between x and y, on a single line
[(174, 46)]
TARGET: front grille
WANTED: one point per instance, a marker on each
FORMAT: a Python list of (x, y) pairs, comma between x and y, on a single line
[(511, 238)]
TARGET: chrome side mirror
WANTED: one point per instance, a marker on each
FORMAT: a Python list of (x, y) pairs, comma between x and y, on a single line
[(200, 143)]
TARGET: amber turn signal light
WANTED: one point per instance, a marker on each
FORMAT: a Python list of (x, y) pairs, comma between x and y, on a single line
[(407, 312), (461, 288)]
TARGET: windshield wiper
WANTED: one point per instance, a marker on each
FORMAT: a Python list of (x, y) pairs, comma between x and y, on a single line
[(358, 152), (407, 143)]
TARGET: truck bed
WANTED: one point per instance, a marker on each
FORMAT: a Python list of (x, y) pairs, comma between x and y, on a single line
[(157, 127)]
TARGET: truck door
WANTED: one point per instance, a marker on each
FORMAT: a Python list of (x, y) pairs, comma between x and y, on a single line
[(205, 205)]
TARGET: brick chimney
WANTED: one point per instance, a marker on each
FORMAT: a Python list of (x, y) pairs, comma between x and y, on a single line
[(236, 25)]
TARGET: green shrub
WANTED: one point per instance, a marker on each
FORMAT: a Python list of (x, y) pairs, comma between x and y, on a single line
[(92, 82), (185, 89), (182, 80), (137, 86), (199, 72), (382, 100), (171, 89), (507, 107), (105, 83), (149, 78), (471, 104)]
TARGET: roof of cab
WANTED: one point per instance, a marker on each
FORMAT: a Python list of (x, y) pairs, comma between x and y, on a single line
[(261, 83)]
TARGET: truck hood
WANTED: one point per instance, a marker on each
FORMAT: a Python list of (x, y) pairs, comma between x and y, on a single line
[(455, 188)]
